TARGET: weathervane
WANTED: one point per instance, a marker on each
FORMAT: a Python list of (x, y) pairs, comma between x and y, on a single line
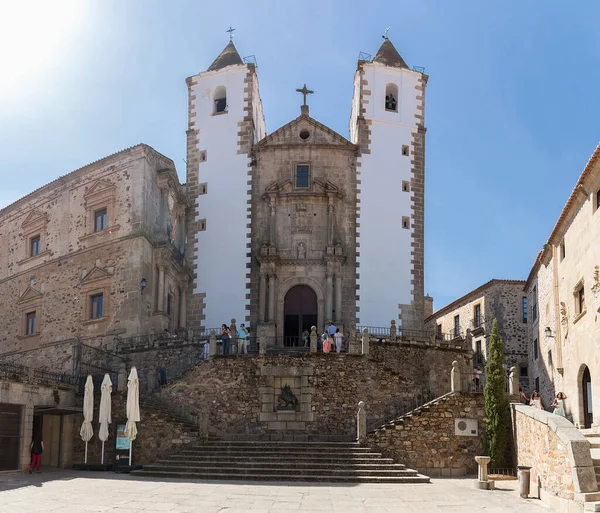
[(305, 91), (230, 33), (385, 34)]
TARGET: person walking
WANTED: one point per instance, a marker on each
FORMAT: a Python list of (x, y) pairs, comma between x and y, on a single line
[(242, 341), (559, 404), (37, 448), (338, 337), (536, 401), (225, 338)]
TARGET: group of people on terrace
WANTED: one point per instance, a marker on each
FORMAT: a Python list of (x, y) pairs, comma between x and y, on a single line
[(535, 400)]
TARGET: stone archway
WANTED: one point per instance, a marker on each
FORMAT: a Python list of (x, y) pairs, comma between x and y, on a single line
[(585, 391), (300, 312), (282, 291)]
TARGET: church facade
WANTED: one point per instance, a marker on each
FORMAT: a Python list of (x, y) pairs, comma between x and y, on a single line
[(303, 226)]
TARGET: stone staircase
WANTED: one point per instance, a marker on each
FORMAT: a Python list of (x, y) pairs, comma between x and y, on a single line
[(333, 462), (594, 439)]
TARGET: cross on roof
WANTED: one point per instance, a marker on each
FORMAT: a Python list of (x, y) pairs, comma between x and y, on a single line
[(385, 33), (231, 30), (305, 91)]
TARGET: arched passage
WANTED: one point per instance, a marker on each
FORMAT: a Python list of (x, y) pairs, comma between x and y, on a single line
[(300, 313), (586, 395)]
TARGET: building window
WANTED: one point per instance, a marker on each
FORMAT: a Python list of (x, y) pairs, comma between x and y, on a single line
[(302, 176), (579, 298), (405, 186), (220, 100), (439, 331), (550, 357), (457, 325), (524, 309), (537, 384), (477, 316), (534, 307), (202, 156), (100, 220), (478, 355), (391, 98), (35, 245), (30, 323), (169, 303), (202, 225), (535, 349), (203, 188), (405, 150), (563, 253), (523, 371), (406, 223), (96, 304), (597, 199)]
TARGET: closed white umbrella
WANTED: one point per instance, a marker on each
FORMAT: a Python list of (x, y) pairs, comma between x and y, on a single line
[(86, 430), (104, 416), (133, 407)]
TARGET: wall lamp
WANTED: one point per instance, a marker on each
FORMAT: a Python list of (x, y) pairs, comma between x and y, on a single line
[(144, 283), (548, 332)]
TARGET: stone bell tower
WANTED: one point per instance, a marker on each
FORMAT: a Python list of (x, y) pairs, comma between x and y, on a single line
[(387, 123), (225, 119)]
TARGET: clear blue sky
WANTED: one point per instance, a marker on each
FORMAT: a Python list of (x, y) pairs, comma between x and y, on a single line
[(512, 104)]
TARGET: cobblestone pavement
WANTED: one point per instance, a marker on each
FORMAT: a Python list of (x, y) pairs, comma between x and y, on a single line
[(71, 491)]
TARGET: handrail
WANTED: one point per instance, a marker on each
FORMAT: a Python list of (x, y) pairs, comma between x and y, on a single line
[(400, 407)]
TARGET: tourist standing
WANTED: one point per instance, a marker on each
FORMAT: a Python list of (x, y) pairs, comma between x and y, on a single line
[(559, 404), (536, 401), (37, 448), (225, 337), (242, 339), (331, 333), (305, 338), (338, 337)]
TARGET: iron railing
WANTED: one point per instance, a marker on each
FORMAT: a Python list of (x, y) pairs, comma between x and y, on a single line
[(399, 408), (37, 376)]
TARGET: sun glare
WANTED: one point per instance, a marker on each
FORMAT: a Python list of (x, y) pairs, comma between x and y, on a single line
[(31, 32)]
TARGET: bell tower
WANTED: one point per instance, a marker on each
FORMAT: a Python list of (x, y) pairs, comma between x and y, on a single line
[(388, 125), (225, 119)]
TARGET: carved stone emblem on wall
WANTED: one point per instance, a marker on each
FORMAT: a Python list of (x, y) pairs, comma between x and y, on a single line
[(564, 319), (596, 288), (287, 401), (301, 220)]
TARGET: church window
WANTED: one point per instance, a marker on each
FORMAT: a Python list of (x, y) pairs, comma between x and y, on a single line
[(35, 245), (202, 225), (302, 176), (202, 156), (30, 323), (203, 188), (405, 186), (405, 150), (304, 134), (96, 304), (391, 98), (220, 99), (100, 219), (169, 304), (406, 223)]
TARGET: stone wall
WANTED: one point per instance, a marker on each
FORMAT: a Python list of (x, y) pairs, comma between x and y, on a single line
[(158, 436), (558, 454), (427, 441)]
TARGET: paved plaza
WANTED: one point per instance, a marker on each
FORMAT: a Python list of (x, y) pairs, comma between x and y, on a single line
[(71, 491)]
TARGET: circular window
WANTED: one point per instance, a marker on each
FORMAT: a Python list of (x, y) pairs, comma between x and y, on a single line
[(304, 134)]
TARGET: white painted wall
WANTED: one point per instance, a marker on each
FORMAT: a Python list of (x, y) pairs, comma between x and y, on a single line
[(385, 247), (221, 251)]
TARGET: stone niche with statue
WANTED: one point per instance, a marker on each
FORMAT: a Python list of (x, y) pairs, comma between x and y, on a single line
[(286, 398)]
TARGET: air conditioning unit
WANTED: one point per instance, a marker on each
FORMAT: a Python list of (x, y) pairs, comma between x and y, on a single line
[(465, 427)]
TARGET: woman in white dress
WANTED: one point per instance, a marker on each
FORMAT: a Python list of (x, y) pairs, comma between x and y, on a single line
[(559, 404), (536, 401)]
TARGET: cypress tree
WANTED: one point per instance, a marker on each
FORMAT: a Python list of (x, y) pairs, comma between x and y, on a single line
[(496, 404)]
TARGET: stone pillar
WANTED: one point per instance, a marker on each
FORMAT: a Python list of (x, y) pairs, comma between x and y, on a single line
[(212, 343), (329, 224), (513, 382), (455, 379), (262, 297), (272, 285), (183, 309), (313, 339), (122, 378), (393, 331), (234, 336), (352, 344), (328, 299), (361, 423), (262, 343), (338, 297), (365, 341), (482, 475), (160, 297)]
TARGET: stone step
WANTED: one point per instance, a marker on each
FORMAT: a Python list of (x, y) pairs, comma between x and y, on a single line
[(279, 450), (279, 465), (267, 459), (288, 454), (281, 446), (309, 470), (282, 443), (264, 476)]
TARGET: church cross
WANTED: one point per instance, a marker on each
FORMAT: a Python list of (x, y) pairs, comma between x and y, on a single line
[(385, 34), (305, 91), (231, 30)]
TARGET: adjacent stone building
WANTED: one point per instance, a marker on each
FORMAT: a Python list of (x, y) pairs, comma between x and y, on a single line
[(95, 253), (563, 291), (471, 316)]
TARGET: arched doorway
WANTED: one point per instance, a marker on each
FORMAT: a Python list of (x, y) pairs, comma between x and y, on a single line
[(300, 313), (586, 390)]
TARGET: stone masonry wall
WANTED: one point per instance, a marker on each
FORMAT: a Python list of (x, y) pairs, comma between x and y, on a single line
[(427, 441), (157, 435)]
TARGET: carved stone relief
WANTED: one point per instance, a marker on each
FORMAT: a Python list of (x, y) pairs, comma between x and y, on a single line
[(596, 288), (564, 319)]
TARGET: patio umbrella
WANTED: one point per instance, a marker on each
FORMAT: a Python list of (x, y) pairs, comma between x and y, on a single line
[(86, 430), (133, 407), (105, 411)]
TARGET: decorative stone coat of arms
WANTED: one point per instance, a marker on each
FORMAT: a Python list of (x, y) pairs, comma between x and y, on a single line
[(564, 319), (596, 288)]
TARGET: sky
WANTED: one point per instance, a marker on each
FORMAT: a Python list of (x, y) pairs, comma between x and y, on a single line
[(512, 103)]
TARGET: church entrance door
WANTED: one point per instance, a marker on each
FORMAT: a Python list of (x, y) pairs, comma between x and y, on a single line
[(300, 313), (586, 388)]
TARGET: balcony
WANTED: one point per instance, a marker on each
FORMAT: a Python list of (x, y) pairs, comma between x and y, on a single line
[(477, 326)]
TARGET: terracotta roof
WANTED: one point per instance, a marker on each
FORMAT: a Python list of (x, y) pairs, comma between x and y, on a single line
[(468, 295), (228, 57), (64, 177), (389, 56)]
